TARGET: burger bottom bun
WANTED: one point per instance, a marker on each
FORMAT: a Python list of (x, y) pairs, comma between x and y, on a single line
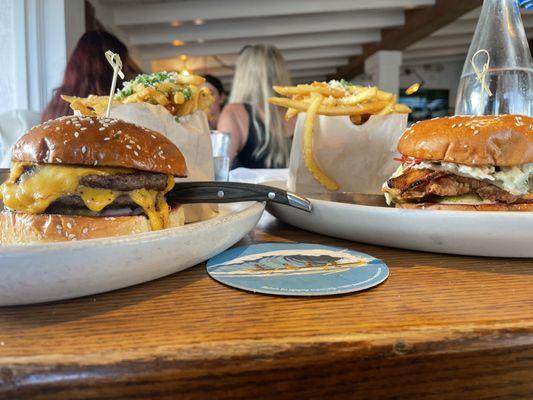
[(22, 229), (468, 207)]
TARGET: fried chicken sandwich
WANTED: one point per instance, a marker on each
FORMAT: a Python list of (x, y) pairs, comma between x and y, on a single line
[(482, 163)]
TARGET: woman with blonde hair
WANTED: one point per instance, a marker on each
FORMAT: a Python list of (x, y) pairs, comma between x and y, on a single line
[(260, 136)]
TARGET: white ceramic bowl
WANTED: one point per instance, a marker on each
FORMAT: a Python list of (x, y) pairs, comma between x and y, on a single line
[(39, 273), (494, 234)]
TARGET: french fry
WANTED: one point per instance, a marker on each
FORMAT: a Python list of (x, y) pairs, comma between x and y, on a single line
[(82, 108), (356, 119), (194, 98), (359, 103), (144, 93), (364, 94), (389, 107), (194, 80), (309, 156), (69, 99), (179, 94), (185, 109), (205, 99), (289, 103), (384, 96), (179, 98), (402, 109), (90, 106), (308, 89), (159, 97), (165, 87), (134, 98), (100, 108), (362, 108), (330, 110), (291, 113)]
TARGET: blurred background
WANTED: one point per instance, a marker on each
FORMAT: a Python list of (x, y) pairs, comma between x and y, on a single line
[(390, 43)]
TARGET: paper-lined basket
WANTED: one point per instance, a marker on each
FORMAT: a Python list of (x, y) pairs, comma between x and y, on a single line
[(191, 135), (358, 157)]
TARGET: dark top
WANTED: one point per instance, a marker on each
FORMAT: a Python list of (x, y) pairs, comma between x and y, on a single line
[(245, 157)]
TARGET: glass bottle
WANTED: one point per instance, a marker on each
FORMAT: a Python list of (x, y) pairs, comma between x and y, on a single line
[(500, 45)]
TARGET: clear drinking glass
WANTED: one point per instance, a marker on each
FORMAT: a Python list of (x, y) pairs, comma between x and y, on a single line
[(509, 74), (220, 142)]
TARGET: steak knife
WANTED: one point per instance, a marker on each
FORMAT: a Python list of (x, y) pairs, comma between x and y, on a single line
[(231, 192), (224, 192)]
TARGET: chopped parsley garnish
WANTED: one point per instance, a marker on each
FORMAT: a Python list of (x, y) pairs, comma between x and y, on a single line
[(187, 93), (345, 83), (342, 84), (177, 118), (125, 92), (153, 79), (147, 80)]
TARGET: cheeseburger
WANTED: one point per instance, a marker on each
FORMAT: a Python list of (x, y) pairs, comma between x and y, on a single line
[(84, 177), (465, 163)]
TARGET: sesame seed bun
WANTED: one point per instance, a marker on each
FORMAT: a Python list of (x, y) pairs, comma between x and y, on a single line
[(23, 229), (468, 207), (504, 140), (104, 142)]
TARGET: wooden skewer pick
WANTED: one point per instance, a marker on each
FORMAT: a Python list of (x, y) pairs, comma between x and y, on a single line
[(116, 63)]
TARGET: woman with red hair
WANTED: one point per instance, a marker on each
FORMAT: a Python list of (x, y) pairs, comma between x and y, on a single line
[(88, 71)]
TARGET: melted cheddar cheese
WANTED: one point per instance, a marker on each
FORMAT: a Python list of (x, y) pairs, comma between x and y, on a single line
[(34, 191), (96, 199)]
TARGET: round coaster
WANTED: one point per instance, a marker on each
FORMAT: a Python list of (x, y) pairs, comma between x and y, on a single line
[(297, 269)]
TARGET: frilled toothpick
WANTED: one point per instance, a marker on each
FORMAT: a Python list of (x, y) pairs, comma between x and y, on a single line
[(116, 63), (481, 75)]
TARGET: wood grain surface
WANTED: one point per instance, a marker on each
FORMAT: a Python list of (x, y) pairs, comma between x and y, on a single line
[(441, 327)]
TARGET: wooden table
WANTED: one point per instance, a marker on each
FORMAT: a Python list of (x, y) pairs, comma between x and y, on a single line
[(441, 327)]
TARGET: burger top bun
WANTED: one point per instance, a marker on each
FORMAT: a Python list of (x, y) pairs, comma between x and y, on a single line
[(103, 142), (504, 140)]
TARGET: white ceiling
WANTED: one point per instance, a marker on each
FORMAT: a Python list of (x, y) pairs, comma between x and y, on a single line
[(315, 36)]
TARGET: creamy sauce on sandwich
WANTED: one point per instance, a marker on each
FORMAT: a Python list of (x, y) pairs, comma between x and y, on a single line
[(514, 180)]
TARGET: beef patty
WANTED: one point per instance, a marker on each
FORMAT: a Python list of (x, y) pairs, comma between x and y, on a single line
[(127, 182), (123, 205), (419, 184), (77, 202)]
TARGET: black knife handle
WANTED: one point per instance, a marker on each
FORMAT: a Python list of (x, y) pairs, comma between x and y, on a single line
[(231, 192)]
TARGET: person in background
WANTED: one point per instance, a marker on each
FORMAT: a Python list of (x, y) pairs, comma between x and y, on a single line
[(260, 136), (217, 89), (88, 71)]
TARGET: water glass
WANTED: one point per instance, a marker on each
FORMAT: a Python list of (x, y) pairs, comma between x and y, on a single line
[(220, 142)]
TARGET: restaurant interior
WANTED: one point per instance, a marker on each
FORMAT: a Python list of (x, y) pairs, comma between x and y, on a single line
[(249, 199)]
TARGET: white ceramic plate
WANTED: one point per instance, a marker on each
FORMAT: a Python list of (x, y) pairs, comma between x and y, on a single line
[(57, 271), (494, 234)]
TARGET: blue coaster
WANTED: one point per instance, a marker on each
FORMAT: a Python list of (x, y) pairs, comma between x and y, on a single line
[(297, 269)]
